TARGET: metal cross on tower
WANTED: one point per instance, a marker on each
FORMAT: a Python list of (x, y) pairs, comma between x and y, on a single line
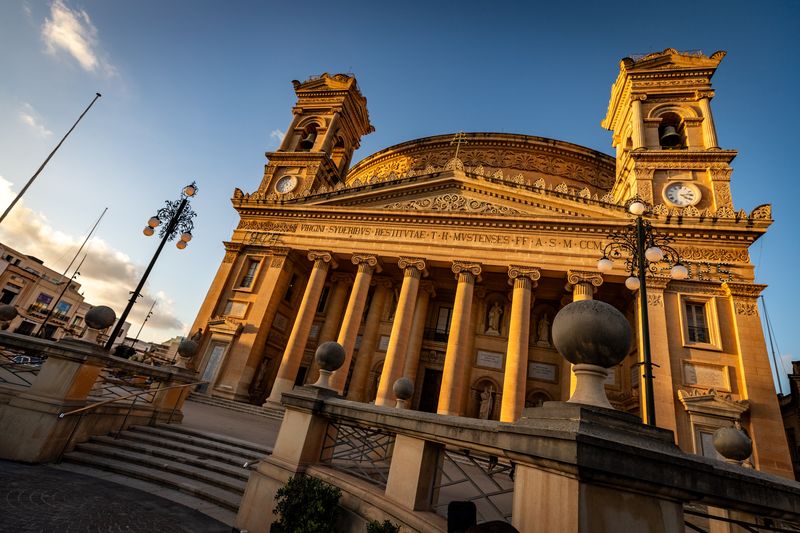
[(458, 139)]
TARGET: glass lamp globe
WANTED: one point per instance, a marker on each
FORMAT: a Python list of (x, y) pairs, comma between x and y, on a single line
[(186, 236), (637, 208), (654, 254), (189, 190), (605, 265), (679, 272), (148, 231), (632, 283), (180, 245), (154, 222)]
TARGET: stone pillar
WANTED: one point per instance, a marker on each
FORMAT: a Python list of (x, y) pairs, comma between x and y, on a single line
[(637, 121), (412, 472), (369, 341), (366, 264), (394, 363), (333, 316), (328, 140), (458, 362), (293, 355), (287, 139), (418, 330), (515, 378), (583, 286), (709, 130), (770, 449), (659, 353)]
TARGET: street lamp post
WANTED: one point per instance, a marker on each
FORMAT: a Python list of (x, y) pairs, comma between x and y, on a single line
[(642, 250), (180, 216)]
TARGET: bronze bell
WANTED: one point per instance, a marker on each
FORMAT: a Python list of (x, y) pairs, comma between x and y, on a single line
[(307, 143), (670, 136)]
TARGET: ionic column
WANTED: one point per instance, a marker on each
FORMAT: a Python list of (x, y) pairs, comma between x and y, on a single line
[(367, 264), (369, 341), (457, 362), (709, 131), (583, 286), (637, 122), (515, 378), (333, 316), (394, 363), (293, 355), (418, 329)]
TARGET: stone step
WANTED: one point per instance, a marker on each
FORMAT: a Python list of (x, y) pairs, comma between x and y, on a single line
[(170, 437), (268, 412), (198, 450), (224, 515), (244, 444), (220, 475), (222, 497)]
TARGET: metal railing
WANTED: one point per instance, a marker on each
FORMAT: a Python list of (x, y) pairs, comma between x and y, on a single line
[(20, 366), (365, 453)]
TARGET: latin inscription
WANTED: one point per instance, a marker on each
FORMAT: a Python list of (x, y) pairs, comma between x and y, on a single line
[(542, 372), (490, 359)]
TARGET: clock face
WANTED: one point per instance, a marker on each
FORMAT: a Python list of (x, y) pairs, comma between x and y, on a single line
[(286, 184), (682, 194)]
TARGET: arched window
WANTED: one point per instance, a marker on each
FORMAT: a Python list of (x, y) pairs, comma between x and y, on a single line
[(307, 138), (671, 132)]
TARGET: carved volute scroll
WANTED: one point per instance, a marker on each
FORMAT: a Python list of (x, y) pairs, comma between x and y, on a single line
[(321, 258), (462, 269), (366, 261), (525, 274)]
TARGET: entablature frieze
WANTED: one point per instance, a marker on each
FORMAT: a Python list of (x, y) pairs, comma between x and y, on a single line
[(739, 290)]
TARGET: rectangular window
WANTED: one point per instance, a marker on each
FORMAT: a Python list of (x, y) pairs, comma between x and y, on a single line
[(63, 307), (697, 323), (249, 273), (705, 444), (443, 320), (44, 299)]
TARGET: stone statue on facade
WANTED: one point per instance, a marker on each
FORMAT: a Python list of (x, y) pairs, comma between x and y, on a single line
[(493, 319), (485, 410), (543, 331)]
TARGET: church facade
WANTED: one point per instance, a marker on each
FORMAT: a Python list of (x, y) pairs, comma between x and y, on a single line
[(445, 260)]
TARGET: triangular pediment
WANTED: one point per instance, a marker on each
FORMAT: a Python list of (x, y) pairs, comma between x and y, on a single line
[(457, 192)]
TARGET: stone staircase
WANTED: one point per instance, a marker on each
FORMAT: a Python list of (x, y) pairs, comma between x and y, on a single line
[(201, 470), (268, 412)]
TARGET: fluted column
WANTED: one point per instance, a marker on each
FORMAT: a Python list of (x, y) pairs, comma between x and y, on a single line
[(709, 131), (366, 264), (637, 122), (515, 378), (369, 342), (418, 330), (333, 316), (583, 286), (394, 363), (293, 355), (457, 362)]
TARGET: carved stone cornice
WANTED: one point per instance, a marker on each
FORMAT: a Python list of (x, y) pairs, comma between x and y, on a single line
[(697, 287), (364, 260), (712, 402), (704, 94), (638, 96), (743, 290), (657, 283), (321, 257), (462, 268), (223, 326)]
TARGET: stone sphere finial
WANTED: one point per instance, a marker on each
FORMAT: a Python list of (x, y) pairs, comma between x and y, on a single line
[(187, 349), (330, 357), (733, 444), (593, 336), (403, 390), (100, 317), (7, 314)]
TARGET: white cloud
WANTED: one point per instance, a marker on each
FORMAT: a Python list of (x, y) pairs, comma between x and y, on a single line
[(72, 31), (277, 135), (107, 275), (30, 117)]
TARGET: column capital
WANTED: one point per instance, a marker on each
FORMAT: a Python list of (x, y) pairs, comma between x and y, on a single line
[(460, 268), (364, 260), (638, 97), (519, 271), (427, 286), (704, 94), (583, 277), (657, 283), (322, 256), (743, 290), (412, 262), (382, 281), (341, 277)]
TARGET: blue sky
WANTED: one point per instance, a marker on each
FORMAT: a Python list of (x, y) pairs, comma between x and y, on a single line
[(199, 90)]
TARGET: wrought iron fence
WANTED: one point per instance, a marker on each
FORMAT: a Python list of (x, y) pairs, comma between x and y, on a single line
[(119, 382), (700, 518), (466, 475), (365, 453), (19, 366)]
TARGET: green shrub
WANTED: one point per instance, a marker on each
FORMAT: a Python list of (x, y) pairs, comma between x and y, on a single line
[(307, 505), (385, 527)]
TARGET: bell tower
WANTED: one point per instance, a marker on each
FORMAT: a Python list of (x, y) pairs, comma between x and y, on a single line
[(666, 144), (330, 118)]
